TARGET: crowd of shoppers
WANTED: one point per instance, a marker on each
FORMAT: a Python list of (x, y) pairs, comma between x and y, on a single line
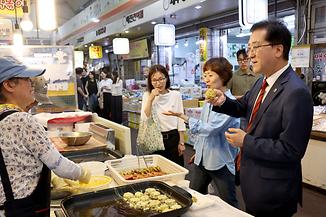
[(100, 93)]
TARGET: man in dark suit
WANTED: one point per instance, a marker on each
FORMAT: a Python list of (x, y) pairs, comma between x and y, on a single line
[(278, 110)]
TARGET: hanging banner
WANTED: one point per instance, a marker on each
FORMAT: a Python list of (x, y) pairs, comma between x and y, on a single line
[(137, 50), (7, 8), (95, 52), (203, 37)]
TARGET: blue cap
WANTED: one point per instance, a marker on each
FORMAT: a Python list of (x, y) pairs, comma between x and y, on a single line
[(12, 68)]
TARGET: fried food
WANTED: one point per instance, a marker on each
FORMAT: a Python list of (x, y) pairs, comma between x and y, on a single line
[(210, 94), (150, 201), (142, 173)]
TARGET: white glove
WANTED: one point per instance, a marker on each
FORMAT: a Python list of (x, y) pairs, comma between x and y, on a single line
[(85, 175)]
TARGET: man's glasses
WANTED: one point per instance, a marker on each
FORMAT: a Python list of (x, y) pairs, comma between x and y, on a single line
[(160, 80), (242, 60), (254, 48)]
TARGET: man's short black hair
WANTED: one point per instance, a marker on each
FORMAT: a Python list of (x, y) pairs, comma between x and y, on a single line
[(79, 71), (277, 33), (243, 52)]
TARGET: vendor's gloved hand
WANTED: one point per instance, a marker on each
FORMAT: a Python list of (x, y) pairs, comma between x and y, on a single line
[(85, 175)]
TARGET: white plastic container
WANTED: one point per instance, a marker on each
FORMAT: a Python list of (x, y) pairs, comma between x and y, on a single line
[(174, 171), (97, 168)]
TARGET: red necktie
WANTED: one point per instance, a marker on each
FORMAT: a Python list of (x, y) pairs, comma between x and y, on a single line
[(252, 118), (257, 104)]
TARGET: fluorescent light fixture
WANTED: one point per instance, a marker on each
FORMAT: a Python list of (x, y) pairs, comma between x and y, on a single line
[(198, 7), (153, 22), (164, 34), (46, 14), (176, 45), (120, 46), (126, 31), (202, 1), (95, 20), (186, 43), (85, 45)]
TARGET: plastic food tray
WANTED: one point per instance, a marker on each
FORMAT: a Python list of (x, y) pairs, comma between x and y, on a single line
[(173, 170)]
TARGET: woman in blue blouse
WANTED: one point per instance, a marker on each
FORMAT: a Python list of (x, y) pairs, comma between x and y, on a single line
[(214, 157)]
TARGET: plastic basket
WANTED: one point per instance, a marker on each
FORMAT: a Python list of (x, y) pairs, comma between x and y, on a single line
[(173, 170)]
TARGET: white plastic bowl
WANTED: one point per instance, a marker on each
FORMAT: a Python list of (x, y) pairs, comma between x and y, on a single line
[(97, 168)]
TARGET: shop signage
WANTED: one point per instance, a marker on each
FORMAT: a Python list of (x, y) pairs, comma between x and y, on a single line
[(203, 37), (167, 3), (80, 40), (95, 52), (5, 29), (7, 7), (300, 56), (134, 17), (138, 50), (101, 31)]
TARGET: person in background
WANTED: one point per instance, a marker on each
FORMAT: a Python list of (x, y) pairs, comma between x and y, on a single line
[(105, 89), (214, 157), (81, 95), (159, 95), (145, 71), (26, 153), (116, 105), (84, 78), (279, 112), (243, 79), (92, 90)]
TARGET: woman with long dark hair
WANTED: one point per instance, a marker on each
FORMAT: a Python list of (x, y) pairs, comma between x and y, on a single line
[(91, 90), (116, 105), (159, 95), (105, 88)]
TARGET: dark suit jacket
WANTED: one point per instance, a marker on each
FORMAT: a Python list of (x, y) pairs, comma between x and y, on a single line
[(274, 146)]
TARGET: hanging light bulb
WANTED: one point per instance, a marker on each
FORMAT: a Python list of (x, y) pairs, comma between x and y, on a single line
[(186, 43), (46, 14), (26, 23)]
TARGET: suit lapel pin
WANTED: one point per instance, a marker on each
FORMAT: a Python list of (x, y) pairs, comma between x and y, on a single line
[(275, 90)]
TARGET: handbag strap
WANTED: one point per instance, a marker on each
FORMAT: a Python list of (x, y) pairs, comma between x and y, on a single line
[(155, 117), (3, 170)]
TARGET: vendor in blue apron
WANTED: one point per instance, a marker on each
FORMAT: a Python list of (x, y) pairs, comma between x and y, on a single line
[(26, 153)]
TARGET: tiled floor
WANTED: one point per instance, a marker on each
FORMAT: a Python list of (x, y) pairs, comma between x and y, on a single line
[(314, 203)]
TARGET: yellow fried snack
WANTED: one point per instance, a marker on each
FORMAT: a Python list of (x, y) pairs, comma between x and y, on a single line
[(210, 94)]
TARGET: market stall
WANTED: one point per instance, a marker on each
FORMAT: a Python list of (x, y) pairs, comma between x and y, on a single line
[(191, 203)]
